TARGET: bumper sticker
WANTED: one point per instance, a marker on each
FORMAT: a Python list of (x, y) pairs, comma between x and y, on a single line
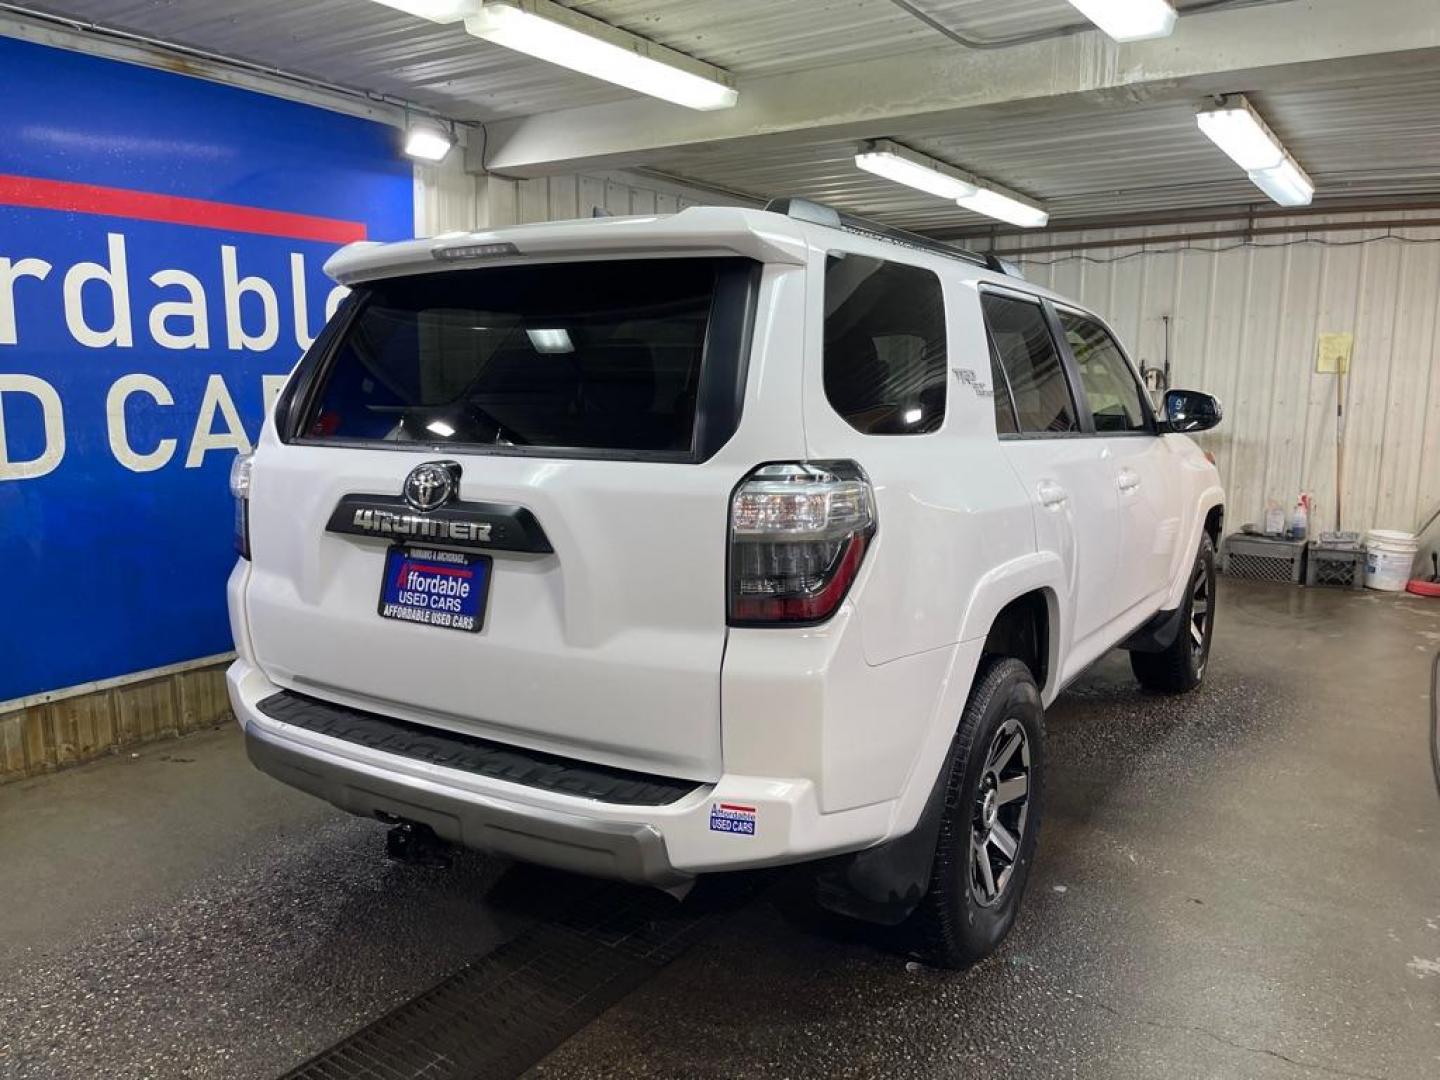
[(732, 818)]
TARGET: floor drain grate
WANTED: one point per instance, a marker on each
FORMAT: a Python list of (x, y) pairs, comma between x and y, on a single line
[(497, 1016)]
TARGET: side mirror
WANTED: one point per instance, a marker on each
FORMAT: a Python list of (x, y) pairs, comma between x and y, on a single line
[(1190, 410)]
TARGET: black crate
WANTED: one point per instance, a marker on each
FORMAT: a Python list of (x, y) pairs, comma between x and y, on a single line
[(1263, 558), (1337, 568)]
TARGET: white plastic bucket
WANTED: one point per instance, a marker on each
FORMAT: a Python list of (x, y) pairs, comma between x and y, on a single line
[(1389, 557)]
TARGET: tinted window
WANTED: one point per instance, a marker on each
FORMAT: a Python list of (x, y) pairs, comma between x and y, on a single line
[(1005, 421), (1111, 392), (1032, 363), (884, 345), (598, 355)]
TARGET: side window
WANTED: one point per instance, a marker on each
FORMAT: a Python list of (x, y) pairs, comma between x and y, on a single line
[(885, 360), (1005, 421), (1031, 360), (1111, 392)]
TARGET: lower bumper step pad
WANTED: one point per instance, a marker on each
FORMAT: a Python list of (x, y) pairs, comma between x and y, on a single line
[(468, 753)]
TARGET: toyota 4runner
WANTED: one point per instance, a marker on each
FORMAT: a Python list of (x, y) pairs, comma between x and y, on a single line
[(651, 547)]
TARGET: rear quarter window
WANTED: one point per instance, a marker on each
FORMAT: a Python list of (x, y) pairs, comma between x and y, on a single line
[(1030, 359), (885, 358)]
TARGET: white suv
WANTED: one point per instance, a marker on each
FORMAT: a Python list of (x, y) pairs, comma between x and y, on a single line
[(650, 547)]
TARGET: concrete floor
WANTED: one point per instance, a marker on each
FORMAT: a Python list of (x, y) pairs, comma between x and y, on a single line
[(1241, 883)]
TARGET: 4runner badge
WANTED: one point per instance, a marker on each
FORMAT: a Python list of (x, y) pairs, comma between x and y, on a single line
[(429, 512)]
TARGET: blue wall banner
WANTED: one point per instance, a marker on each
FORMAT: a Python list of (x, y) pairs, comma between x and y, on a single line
[(161, 243)]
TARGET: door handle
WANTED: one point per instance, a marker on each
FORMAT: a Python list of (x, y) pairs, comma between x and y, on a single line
[(1051, 494), (1127, 481)]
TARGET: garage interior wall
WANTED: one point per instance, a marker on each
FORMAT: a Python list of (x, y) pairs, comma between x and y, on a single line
[(1244, 321), (450, 199)]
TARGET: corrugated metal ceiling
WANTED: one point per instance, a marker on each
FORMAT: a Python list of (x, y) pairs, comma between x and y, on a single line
[(1356, 135), (364, 45), (1360, 132), (763, 37)]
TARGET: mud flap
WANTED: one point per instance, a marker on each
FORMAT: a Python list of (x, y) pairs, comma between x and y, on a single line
[(885, 883), (1158, 633)]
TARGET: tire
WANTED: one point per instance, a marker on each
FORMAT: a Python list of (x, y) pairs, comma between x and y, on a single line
[(1181, 667), (961, 921)]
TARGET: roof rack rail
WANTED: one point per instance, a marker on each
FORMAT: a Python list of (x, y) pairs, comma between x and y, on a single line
[(819, 214)]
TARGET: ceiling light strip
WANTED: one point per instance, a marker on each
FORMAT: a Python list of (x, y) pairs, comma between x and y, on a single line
[(559, 35), (902, 165), (1236, 128), (1129, 20)]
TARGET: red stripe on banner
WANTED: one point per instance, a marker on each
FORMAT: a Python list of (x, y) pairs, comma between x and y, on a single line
[(742, 809), (453, 571), (174, 209), (406, 567)]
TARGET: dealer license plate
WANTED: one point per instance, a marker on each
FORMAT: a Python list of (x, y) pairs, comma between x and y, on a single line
[(435, 588)]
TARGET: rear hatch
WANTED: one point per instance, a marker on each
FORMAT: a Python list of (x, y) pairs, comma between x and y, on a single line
[(498, 507)]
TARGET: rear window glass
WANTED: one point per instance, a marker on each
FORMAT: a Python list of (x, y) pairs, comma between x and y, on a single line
[(884, 345), (595, 355)]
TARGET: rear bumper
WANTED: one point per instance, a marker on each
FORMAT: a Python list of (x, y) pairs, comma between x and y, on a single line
[(660, 845), (631, 852)]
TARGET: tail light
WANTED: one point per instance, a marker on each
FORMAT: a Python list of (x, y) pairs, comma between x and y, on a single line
[(240, 488), (798, 534)]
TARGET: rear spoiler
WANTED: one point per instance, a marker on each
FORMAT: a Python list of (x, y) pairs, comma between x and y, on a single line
[(695, 231)]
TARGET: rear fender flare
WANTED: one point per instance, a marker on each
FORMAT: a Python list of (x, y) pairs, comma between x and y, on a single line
[(884, 883), (1041, 570)]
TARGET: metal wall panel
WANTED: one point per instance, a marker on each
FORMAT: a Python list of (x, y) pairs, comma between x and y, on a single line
[(557, 198), (449, 199), (446, 196), (1245, 319)]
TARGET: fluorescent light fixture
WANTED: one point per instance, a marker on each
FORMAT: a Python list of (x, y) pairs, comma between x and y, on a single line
[(560, 35), (441, 428), (1237, 129), (1004, 207), (914, 169), (440, 11), (1129, 20), (895, 162), (912, 416), (550, 341), (425, 141), (1286, 183)]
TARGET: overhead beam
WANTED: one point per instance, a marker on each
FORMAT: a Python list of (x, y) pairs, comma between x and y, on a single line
[(996, 233), (873, 98)]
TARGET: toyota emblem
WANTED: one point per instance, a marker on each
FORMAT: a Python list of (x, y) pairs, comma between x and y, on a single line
[(432, 485)]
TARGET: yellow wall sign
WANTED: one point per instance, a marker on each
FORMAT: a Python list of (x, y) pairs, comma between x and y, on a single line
[(1332, 357)]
